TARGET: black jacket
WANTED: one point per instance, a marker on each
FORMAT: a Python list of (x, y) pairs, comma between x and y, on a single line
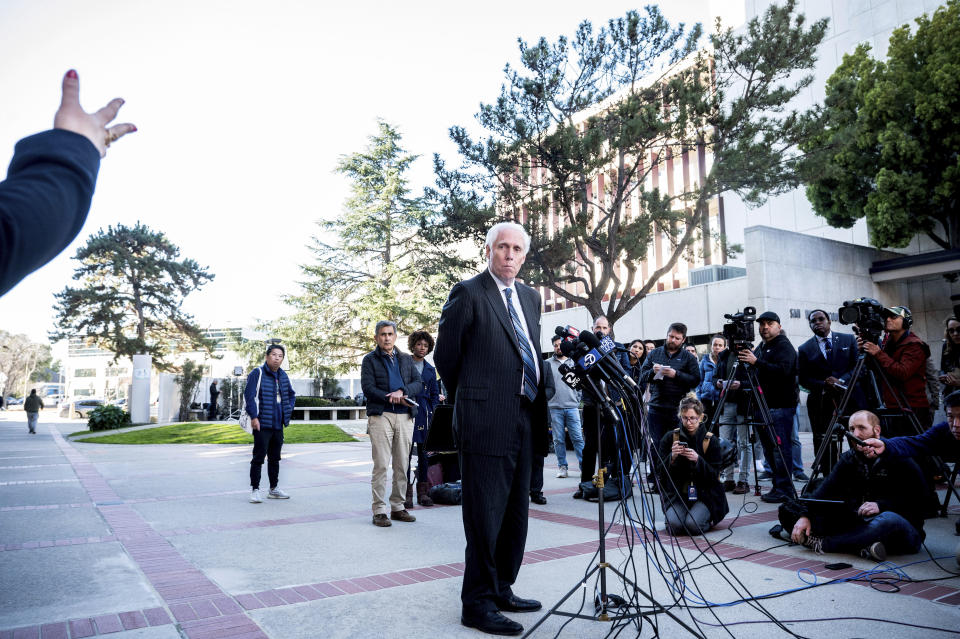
[(896, 485), (478, 357), (677, 474), (777, 372), (44, 200), (667, 392), (374, 379)]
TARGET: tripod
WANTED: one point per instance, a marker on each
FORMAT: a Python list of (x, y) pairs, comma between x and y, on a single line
[(608, 417), (755, 398), (903, 407)]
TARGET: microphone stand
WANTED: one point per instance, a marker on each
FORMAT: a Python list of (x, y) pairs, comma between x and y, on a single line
[(608, 417)]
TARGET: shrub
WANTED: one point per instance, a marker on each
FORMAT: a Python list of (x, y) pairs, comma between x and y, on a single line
[(108, 417), (345, 401), (308, 401)]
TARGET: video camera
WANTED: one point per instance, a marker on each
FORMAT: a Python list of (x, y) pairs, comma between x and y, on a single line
[(866, 316), (739, 330)]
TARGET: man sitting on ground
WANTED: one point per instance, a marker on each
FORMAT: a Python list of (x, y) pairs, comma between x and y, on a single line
[(881, 510), (942, 439)]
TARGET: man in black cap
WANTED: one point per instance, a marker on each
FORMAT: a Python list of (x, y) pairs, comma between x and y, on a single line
[(776, 363)]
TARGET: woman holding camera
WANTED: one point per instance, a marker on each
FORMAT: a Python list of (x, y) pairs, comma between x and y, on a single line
[(693, 497)]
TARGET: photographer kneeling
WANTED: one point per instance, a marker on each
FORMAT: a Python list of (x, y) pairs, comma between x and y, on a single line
[(693, 497), (881, 510)]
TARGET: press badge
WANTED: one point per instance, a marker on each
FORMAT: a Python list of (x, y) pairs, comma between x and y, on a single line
[(692, 493)]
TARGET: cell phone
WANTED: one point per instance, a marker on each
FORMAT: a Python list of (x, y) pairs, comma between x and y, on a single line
[(840, 565), (854, 440), (410, 402), (682, 445)]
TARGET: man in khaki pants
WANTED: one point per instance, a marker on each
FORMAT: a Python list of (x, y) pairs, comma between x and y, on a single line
[(390, 382)]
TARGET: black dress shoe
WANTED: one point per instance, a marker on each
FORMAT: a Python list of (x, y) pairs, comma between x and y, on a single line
[(538, 498), (578, 494), (514, 603), (492, 623)]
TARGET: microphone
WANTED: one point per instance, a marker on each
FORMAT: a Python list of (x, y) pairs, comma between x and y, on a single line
[(570, 376), (606, 346), (571, 348), (567, 332)]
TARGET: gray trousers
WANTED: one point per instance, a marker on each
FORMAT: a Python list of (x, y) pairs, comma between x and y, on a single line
[(683, 521)]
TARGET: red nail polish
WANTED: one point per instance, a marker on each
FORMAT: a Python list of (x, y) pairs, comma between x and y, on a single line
[(133, 130), (72, 74)]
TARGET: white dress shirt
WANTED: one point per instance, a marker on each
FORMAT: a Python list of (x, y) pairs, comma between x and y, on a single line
[(501, 285)]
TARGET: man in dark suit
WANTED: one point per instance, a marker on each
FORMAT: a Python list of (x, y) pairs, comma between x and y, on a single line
[(825, 363), (487, 345)]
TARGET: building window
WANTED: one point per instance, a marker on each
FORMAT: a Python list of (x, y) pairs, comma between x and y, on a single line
[(114, 371), (85, 372), (82, 392)]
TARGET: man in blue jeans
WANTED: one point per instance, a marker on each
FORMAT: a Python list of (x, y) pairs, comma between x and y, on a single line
[(775, 361), (881, 510), (564, 407)]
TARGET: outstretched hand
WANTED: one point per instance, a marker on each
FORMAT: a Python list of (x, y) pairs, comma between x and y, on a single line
[(93, 126), (872, 447)]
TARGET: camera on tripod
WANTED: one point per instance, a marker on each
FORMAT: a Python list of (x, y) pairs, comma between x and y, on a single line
[(739, 330), (865, 314)]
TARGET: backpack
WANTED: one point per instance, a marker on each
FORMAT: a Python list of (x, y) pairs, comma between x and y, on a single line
[(728, 452)]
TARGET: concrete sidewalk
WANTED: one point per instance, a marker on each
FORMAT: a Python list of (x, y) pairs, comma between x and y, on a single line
[(161, 542)]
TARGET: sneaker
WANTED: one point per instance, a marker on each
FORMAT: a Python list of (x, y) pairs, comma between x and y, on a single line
[(728, 485), (255, 496), (562, 473), (814, 543), (276, 493), (742, 488), (402, 515), (382, 521), (801, 476), (876, 551)]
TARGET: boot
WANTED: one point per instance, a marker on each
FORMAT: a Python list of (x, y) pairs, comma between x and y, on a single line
[(423, 498), (408, 500)]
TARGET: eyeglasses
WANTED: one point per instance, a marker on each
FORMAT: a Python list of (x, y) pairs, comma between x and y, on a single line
[(690, 418)]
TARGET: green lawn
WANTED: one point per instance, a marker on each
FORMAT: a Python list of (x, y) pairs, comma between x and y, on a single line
[(218, 433)]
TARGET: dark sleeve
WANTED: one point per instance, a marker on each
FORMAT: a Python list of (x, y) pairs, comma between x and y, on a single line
[(368, 380), (852, 353), (293, 401), (432, 389), (782, 362), (646, 372), (912, 360), (455, 318), (250, 393), (803, 367), (44, 200), (933, 441), (690, 373), (549, 382), (832, 486), (413, 382), (708, 464)]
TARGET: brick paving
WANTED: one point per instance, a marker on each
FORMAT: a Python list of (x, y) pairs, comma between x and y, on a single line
[(201, 609)]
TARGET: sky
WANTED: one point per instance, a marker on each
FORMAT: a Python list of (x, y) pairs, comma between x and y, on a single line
[(243, 109)]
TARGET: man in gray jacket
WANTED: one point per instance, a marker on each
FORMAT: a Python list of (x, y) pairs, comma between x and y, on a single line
[(389, 381), (564, 408)]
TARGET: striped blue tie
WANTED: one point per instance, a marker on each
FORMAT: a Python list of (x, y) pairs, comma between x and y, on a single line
[(529, 366)]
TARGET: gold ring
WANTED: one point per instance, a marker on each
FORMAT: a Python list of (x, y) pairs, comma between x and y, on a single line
[(110, 138)]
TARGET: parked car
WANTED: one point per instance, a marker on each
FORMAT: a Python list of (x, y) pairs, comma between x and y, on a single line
[(79, 408), (14, 403)]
